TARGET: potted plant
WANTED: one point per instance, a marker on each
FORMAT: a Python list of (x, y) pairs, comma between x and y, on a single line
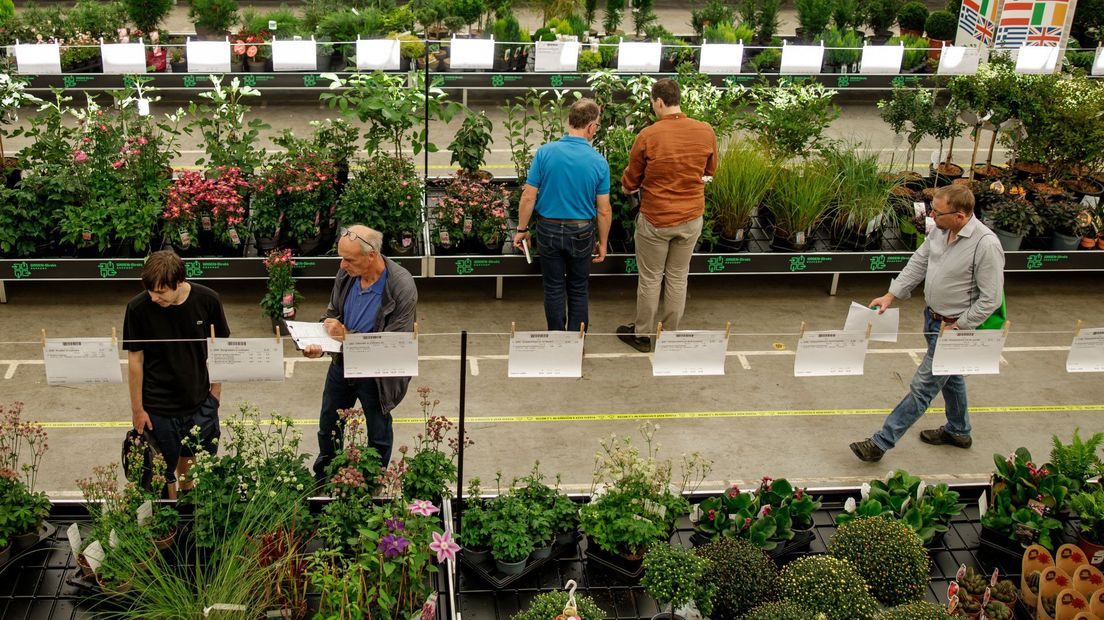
[(813, 15), (147, 14), (1012, 218), (871, 544), (1078, 461), (845, 49), (207, 211), (281, 300), (741, 575), (862, 205), (476, 524), (553, 604), (293, 201), (880, 16), (12, 96), (471, 143), (431, 469), (386, 194), (940, 28), (998, 611), (228, 139), (800, 201), (825, 584), (790, 121), (1089, 507), (912, 18), (925, 509), (1065, 218), (511, 539), (744, 177), (213, 18), (676, 577), (115, 573), (1024, 499), (23, 511)]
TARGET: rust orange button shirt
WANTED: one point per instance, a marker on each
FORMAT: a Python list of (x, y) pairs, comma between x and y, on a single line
[(667, 163)]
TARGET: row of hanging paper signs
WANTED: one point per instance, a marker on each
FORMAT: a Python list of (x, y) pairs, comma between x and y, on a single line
[(551, 56), (560, 354)]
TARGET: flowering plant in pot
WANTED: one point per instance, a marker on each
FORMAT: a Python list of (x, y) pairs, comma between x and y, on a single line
[(293, 200), (677, 577), (472, 208), (385, 194), (22, 446), (281, 300), (211, 206), (431, 468), (926, 509), (355, 468)]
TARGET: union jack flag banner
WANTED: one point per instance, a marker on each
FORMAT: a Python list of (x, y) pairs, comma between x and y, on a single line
[(1032, 22), (977, 23)]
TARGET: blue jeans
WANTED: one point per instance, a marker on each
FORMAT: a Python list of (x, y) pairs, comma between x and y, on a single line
[(342, 393), (565, 253), (924, 387)]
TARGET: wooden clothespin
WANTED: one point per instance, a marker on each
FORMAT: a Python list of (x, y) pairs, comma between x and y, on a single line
[(212, 333), (114, 335), (279, 338), (43, 338), (869, 329), (582, 330), (728, 329), (802, 333), (415, 330), (1077, 327), (942, 327), (513, 329), (659, 330), (1007, 325)]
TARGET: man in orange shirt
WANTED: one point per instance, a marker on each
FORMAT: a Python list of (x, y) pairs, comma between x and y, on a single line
[(666, 165)]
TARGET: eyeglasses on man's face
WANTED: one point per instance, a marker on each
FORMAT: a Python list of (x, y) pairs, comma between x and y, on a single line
[(345, 232)]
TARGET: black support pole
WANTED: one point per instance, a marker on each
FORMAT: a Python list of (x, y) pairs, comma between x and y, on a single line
[(463, 393)]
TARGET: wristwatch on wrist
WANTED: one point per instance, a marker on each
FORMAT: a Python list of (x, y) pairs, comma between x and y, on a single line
[(523, 229)]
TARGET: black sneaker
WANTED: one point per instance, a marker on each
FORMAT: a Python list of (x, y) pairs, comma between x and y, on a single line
[(627, 334), (867, 451), (940, 437)]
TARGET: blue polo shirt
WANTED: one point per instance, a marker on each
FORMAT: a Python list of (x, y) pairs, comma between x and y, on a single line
[(569, 174), (362, 305)]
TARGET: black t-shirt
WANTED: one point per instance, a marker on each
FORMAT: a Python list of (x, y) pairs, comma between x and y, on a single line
[(174, 374)]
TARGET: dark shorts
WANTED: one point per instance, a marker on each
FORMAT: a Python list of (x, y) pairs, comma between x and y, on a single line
[(170, 432)]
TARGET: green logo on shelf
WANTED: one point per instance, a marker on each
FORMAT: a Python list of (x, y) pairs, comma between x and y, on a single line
[(189, 81), (878, 263), (797, 263), (898, 81), (21, 270), (193, 269), (250, 80), (69, 81), (1035, 261), (108, 270), (630, 265), (438, 80), (843, 81), (497, 80), (556, 81), (716, 263), (464, 267), (310, 80)]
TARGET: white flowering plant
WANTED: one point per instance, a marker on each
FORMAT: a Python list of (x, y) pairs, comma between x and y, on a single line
[(257, 457), (12, 96)]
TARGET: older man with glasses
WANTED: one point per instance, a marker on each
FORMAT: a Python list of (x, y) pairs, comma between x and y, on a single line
[(371, 293), (961, 264)]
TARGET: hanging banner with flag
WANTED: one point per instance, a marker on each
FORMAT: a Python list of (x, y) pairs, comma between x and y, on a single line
[(1034, 23), (977, 23)]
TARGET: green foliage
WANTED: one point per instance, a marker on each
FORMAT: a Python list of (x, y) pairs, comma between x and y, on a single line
[(20, 509), (677, 576), (1089, 506), (770, 59), (780, 610), (511, 538), (899, 497), (344, 26), (814, 15), (385, 194), (919, 610), (589, 61), (1088, 21), (1079, 460), (765, 517), (551, 604), (715, 13), (471, 142), (431, 469), (767, 20), (888, 555), (915, 113), (214, 14), (882, 14), (848, 46), (1016, 482), (1013, 215), (847, 15), (477, 519), (790, 121), (913, 16), (7, 10), (941, 25), (916, 50), (612, 19), (701, 100), (721, 33), (146, 14), (287, 21), (741, 575), (744, 176), (828, 585), (228, 140), (281, 285), (802, 197)]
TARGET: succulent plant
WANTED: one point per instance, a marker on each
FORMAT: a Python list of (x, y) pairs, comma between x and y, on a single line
[(888, 555), (828, 585), (997, 610), (1005, 591), (974, 582), (742, 574)]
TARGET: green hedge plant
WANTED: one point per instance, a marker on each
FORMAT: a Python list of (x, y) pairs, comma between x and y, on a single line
[(827, 585), (551, 604), (888, 555), (742, 576)]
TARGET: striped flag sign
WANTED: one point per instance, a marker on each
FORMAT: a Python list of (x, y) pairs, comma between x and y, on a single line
[(976, 22), (1038, 22)]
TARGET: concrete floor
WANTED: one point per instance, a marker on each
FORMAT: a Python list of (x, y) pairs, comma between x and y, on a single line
[(762, 420)]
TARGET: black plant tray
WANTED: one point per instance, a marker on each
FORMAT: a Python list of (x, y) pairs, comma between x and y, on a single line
[(488, 573), (799, 542), (626, 568), (45, 533)]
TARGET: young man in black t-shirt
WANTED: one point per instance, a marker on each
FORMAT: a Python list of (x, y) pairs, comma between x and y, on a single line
[(170, 391)]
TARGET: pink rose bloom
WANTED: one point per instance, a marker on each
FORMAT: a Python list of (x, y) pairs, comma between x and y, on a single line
[(80, 156), (117, 164), (142, 140)]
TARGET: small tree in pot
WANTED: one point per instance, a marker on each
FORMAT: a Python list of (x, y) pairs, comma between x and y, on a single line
[(940, 27), (912, 18), (677, 577)]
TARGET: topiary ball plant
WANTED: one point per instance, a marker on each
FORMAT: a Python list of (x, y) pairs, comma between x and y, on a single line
[(742, 574), (889, 555), (828, 585), (551, 604), (919, 610), (676, 576), (941, 25), (780, 610)]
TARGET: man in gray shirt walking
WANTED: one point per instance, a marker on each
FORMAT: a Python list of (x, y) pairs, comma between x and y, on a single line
[(962, 267)]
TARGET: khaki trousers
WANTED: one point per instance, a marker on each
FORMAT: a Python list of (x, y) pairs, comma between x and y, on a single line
[(663, 260)]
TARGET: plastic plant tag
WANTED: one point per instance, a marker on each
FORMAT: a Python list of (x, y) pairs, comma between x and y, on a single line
[(993, 579), (952, 590), (94, 553), (864, 490), (86, 235), (952, 604), (272, 24), (205, 221), (113, 539), (444, 237), (73, 533), (145, 512), (800, 238), (143, 107), (985, 598), (407, 240), (960, 573), (467, 225), (920, 488), (983, 504), (233, 234), (185, 239)]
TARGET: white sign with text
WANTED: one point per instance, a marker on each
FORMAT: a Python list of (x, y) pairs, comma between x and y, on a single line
[(690, 353), (381, 354), (546, 354)]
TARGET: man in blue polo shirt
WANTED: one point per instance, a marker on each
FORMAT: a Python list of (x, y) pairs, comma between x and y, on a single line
[(568, 185)]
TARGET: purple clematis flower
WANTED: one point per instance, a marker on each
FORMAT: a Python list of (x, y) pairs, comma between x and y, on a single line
[(394, 525), (392, 545)]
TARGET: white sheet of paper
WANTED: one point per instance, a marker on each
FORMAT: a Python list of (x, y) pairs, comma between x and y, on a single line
[(689, 353), (1087, 352), (77, 361), (121, 58), (639, 56), (94, 553), (545, 354), (557, 56), (968, 352), (882, 59), (245, 359), (307, 332), (382, 54), (797, 59), (471, 53), (721, 58), (38, 58), (1098, 64), (830, 354), (884, 327), (294, 55), (381, 354), (73, 533), (208, 56)]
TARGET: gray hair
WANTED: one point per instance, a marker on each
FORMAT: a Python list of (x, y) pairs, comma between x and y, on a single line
[(369, 239)]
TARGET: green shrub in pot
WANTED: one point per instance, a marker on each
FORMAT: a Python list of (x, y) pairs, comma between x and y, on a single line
[(888, 555)]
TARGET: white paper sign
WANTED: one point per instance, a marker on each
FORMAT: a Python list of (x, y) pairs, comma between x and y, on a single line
[(959, 60), (294, 55), (471, 54), (557, 56), (830, 354), (120, 58), (1087, 352), (1037, 59), (1097, 68), (306, 333), (689, 353), (381, 354), (882, 59), (968, 352), (378, 54), (245, 359), (797, 59), (721, 58), (883, 326), (208, 56), (94, 553), (38, 58), (638, 56), (73, 533), (145, 512), (77, 361), (546, 354)]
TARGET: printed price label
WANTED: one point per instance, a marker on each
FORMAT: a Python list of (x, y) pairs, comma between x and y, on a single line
[(145, 512), (73, 533)]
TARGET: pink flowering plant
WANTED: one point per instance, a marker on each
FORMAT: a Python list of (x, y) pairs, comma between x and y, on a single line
[(431, 468), (281, 300), (355, 468), (765, 516), (22, 446), (212, 202), (472, 208), (294, 197), (385, 193)]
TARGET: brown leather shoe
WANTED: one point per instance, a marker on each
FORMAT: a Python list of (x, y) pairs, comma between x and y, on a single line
[(627, 334), (940, 437), (867, 451)]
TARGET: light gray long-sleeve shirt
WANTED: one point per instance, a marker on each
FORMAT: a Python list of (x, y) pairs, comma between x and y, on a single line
[(963, 279)]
